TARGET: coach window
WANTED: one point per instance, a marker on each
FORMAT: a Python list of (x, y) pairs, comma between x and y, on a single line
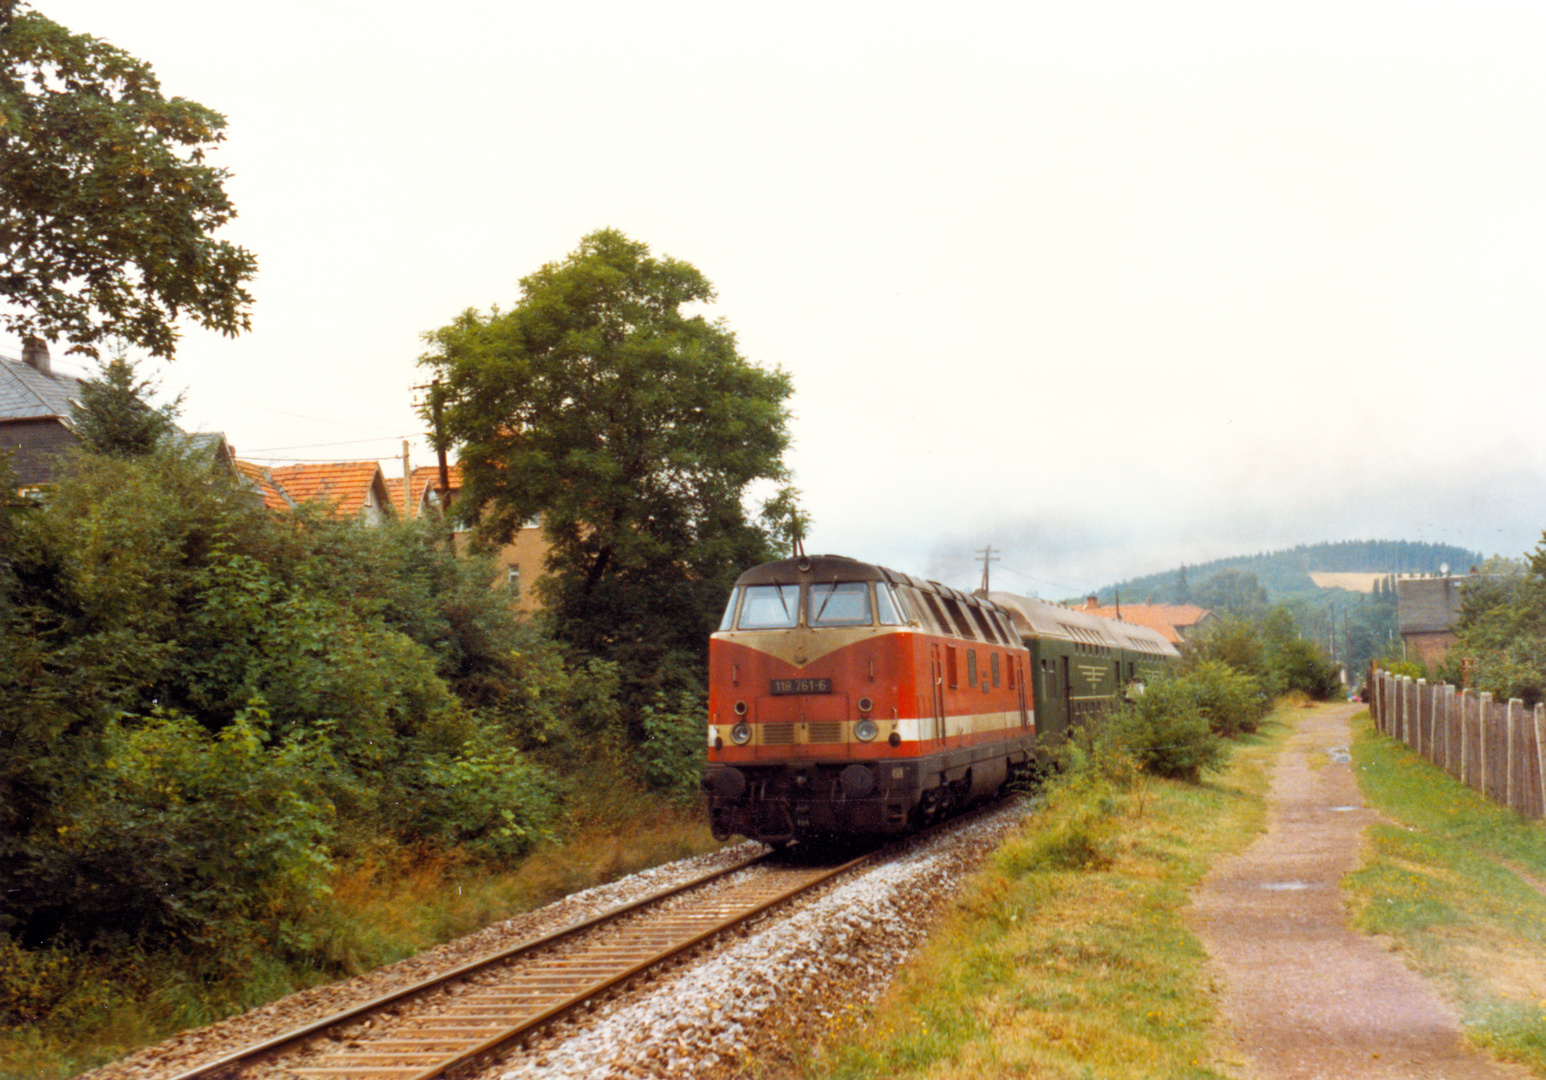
[(845, 604), (770, 607), (886, 606)]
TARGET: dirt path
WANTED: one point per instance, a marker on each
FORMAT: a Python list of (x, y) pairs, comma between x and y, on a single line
[(1304, 996)]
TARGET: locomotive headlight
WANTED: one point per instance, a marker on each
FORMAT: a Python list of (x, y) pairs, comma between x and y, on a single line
[(740, 708), (865, 704), (865, 730), (741, 734)]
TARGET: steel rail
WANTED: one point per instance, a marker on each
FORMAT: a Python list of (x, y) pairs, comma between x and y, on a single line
[(298, 1034), (496, 1042)]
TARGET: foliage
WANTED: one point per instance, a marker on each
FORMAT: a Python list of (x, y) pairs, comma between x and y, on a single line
[(171, 833), (1270, 651), (634, 430), (1232, 591), (112, 414), (672, 753), (1166, 731), (1233, 703), (1502, 630), (490, 802), (1286, 574), (107, 206), (157, 586)]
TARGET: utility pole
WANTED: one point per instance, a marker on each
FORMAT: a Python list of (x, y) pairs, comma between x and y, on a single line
[(987, 558), (407, 484)]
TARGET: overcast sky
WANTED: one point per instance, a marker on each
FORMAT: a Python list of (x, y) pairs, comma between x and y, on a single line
[(1108, 286)]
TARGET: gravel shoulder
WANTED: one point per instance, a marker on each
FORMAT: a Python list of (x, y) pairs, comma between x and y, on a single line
[(1303, 995)]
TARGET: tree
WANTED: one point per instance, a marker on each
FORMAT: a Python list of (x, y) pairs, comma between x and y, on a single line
[(633, 428), (106, 203), (113, 417)]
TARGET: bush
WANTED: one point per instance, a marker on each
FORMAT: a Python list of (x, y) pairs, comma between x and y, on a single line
[(1234, 704), (175, 837), (1166, 731), (492, 801), (673, 750)]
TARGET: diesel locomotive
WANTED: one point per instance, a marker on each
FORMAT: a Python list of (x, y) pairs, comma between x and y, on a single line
[(846, 698)]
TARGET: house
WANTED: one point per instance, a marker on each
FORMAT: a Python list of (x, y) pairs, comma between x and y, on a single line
[(35, 409), (1176, 622), (353, 489), (518, 564), (1427, 610)]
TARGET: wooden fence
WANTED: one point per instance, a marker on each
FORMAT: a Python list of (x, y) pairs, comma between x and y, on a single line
[(1496, 749)]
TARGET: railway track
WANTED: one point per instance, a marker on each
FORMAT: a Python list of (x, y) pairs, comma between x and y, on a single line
[(475, 1011)]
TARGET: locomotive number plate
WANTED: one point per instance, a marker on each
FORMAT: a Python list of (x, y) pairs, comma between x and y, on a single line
[(778, 687)]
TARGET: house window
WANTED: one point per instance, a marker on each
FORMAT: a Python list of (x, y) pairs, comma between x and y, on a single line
[(515, 577)]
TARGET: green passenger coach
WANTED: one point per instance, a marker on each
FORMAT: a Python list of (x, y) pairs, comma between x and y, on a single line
[(1081, 664)]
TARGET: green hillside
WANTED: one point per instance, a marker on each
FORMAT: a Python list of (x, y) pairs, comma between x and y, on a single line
[(1285, 575)]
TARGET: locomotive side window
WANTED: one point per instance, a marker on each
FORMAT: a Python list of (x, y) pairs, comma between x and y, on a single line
[(995, 668), (950, 667), (845, 604), (971, 667), (770, 607), (886, 607), (728, 620)]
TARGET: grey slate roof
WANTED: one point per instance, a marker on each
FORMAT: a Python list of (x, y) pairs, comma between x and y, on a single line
[(1429, 605), (27, 392)]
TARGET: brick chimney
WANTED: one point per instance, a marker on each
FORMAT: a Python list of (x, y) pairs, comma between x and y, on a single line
[(34, 353), (1091, 603)]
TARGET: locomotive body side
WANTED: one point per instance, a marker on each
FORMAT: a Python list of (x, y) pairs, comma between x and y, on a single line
[(847, 698)]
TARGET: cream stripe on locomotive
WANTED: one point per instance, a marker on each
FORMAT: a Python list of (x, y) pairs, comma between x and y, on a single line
[(812, 732)]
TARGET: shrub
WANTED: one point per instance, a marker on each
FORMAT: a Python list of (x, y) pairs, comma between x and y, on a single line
[(177, 837), (492, 801), (1167, 733), (1232, 702), (673, 750)]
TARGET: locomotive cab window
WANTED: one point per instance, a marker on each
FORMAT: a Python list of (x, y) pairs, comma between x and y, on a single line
[(770, 607), (843, 604), (886, 606), (728, 620)]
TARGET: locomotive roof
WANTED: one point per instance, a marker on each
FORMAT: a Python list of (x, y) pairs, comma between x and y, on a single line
[(814, 568), (819, 568), (1042, 618)]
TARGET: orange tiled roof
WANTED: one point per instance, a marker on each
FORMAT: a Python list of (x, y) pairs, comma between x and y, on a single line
[(259, 478), (1171, 620), (345, 484), (422, 477)]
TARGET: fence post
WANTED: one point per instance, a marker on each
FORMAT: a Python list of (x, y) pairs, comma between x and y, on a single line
[(1467, 751), (1540, 752), (1445, 708), (1422, 712), (1484, 740), (1511, 728)]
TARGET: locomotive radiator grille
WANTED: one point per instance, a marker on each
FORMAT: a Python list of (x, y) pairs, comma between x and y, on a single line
[(777, 734), (826, 732)]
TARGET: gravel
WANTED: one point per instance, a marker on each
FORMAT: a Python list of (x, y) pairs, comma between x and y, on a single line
[(801, 973), (796, 977)]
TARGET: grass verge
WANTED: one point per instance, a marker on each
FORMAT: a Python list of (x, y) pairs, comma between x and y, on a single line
[(1068, 956), (1460, 885), (73, 1012)]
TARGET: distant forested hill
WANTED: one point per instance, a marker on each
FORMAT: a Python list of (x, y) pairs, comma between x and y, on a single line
[(1286, 574)]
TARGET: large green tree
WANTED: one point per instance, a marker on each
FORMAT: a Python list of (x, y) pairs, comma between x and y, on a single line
[(113, 414), (107, 205), (633, 427)]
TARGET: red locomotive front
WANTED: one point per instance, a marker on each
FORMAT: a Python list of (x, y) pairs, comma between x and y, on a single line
[(847, 698)]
